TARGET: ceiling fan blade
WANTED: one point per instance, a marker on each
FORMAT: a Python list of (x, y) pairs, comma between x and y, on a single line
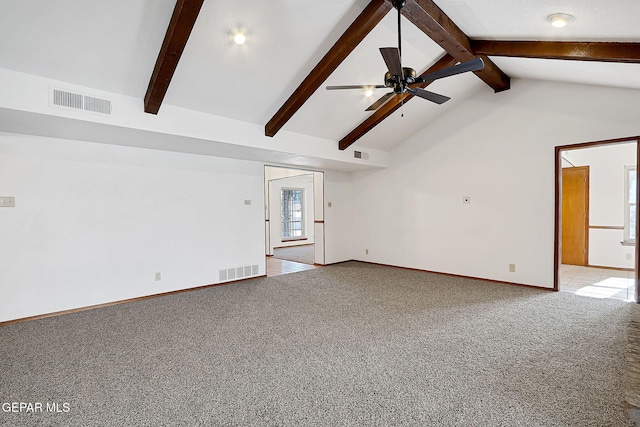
[(380, 102), (391, 56), (356, 87), (473, 65), (431, 96)]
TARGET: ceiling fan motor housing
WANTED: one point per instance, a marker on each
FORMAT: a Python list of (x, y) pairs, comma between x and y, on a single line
[(400, 85)]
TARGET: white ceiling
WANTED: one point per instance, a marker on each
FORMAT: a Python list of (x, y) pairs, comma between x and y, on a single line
[(112, 46), (107, 45), (595, 20)]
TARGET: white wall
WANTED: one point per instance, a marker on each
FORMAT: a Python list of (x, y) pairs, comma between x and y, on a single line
[(24, 107), (93, 222), (499, 150), (606, 201), (339, 217)]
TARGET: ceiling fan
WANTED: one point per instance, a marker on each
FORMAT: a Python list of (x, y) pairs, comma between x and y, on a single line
[(400, 78)]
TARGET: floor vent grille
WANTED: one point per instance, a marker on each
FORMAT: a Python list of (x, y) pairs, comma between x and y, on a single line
[(238, 272)]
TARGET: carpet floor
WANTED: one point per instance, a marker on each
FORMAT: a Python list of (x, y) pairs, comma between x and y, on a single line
[(350, 344), (302, 253)]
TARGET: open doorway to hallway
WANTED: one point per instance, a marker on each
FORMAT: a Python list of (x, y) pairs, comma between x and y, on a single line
[(597, 191), (294, 219)]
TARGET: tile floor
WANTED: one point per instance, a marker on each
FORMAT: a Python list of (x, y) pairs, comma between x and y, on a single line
[(597, 282), (276, 267)]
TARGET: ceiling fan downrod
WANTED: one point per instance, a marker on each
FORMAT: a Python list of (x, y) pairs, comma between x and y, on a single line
[(399, 4)]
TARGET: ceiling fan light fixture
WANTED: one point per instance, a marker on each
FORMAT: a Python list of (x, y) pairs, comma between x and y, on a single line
[(560, 20)]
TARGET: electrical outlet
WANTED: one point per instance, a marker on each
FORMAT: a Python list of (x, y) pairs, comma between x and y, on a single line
[(466, 200), (8, 202), (247, 202), (329, 204), (512, 268), (158, 276), (366, 251), (629, 257)]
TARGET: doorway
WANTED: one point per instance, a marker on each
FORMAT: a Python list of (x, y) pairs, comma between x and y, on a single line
[(294, 219), (595, 228)]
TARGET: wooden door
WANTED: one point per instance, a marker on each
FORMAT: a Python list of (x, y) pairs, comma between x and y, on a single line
[(575, 215)]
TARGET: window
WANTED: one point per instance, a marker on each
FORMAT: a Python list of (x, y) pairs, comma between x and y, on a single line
[(292, 214), (630, 204)]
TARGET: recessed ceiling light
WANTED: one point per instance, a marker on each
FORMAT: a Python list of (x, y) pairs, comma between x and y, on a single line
[(559, 20), (368, 93), (238, 35), (239, 38)]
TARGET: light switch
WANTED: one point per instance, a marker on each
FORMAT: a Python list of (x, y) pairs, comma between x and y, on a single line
[(7, 201), (328, 204)]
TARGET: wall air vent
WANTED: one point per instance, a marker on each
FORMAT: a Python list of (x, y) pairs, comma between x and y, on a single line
[(68, 99), (361, 155), (79, 101), (97, 105)]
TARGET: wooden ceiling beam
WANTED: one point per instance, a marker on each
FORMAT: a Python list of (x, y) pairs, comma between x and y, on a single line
[(182, 21), (578, 51), (392, 105), (357, 31), (429, 18)]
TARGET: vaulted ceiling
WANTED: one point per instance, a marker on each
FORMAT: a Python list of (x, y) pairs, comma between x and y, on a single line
[(295, 48)]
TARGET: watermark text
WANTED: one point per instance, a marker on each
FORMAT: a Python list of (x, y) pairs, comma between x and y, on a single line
[(35, 407)]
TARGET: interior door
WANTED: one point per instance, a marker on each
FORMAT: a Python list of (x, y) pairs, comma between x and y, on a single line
[(575, 215)]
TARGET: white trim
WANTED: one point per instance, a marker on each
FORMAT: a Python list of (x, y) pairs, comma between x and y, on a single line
[(628, 239)]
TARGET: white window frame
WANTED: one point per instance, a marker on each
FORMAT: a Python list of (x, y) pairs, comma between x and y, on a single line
[(628, 239), (283, 221)]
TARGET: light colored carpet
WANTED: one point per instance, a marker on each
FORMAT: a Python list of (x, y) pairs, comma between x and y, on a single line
[(303, 253), (350, 344)]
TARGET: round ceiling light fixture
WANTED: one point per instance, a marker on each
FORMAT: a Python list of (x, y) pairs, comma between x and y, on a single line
[(239, 38), (560, 20), (238, 35)]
